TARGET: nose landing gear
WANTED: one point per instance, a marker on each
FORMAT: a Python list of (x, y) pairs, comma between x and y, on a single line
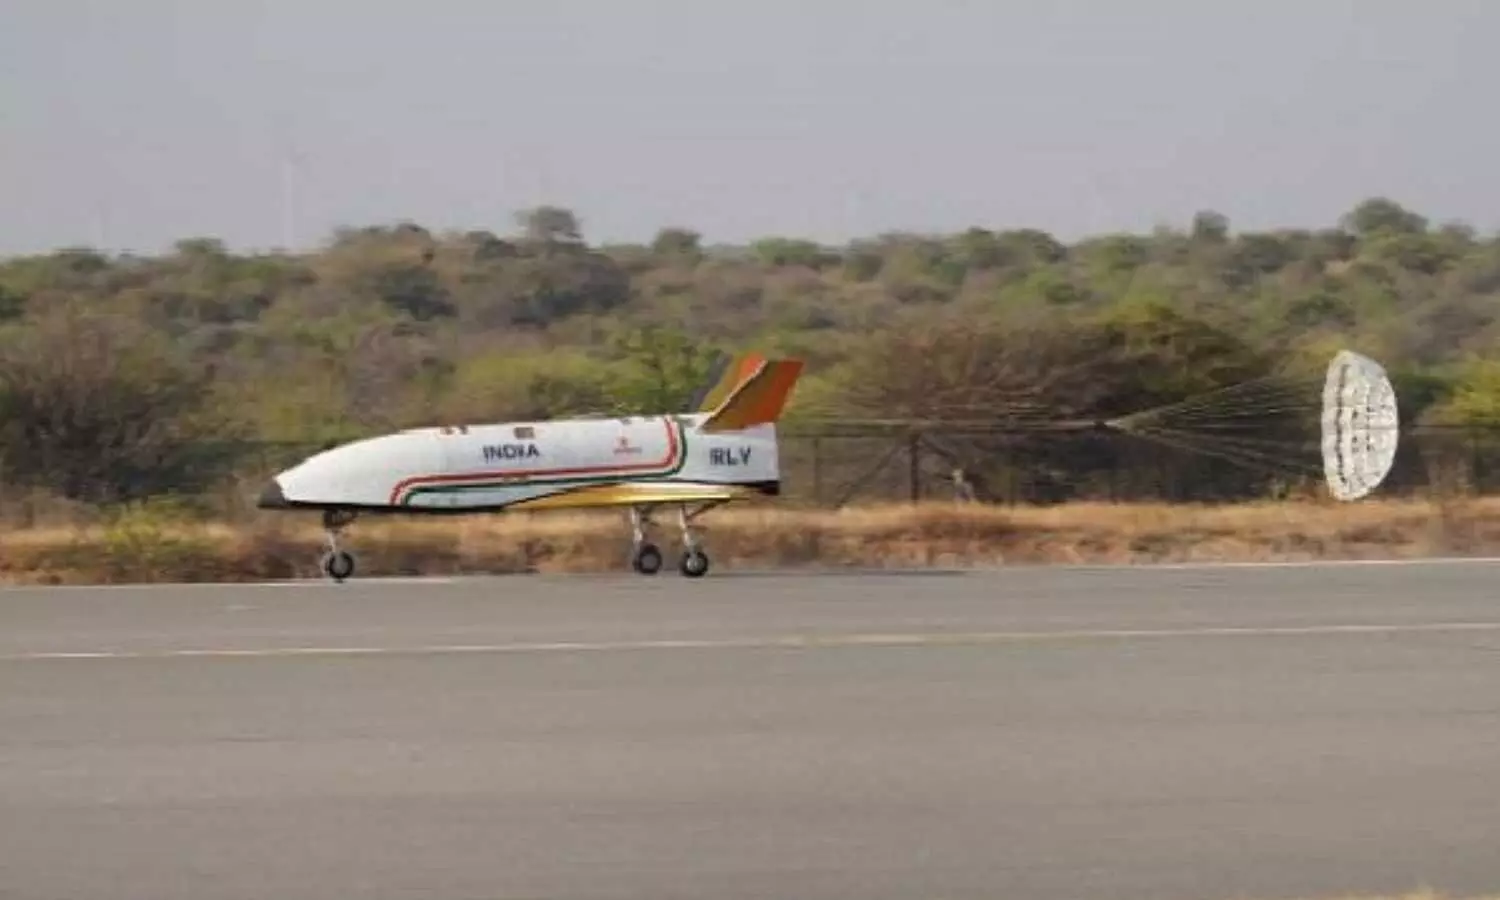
[(336, 563)]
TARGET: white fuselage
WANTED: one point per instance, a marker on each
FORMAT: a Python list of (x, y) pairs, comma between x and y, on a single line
[(480, 467)]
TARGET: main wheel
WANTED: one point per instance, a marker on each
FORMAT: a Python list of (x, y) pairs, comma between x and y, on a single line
[(338, 564), (694, 563), (647, 560)]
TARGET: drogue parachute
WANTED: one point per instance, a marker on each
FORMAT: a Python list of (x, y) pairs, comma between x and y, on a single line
[(1346, 414), (1360, 424), (1308, 423)]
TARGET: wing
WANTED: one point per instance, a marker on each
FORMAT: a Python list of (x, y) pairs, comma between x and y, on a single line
[(632, 493)]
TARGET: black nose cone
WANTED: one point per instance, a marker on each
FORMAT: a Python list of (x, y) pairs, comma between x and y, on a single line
[(272, 497)]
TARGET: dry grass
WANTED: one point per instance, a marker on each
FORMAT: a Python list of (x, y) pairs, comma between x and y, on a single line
[(149, 546)]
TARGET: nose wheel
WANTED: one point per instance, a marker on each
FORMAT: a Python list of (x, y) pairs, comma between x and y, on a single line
[(336, 563)]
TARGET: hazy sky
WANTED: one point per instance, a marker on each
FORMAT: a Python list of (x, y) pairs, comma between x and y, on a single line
[(138, 122)]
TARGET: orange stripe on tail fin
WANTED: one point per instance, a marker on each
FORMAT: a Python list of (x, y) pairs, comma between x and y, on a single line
[(758, 400), (727, 374)]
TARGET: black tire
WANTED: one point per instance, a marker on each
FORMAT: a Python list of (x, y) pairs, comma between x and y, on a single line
[(694, 564), (647, 560), (338, 565)]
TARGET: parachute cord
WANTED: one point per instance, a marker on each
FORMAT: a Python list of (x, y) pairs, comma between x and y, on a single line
[(1241, 392), (1267, 463)]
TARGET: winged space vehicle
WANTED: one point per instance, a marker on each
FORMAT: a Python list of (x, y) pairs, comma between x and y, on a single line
[(724, 449)]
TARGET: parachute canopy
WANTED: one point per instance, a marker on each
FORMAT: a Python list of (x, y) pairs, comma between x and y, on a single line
[(1279, 422), (1359, 425)]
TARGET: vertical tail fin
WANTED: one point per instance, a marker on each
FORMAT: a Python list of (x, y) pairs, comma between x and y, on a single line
[(757, 400), (728, 373)]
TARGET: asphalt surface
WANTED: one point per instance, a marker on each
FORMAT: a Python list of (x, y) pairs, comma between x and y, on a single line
[(1072, 733)]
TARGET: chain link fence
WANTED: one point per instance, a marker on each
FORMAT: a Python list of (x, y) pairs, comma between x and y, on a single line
[(832, 468)]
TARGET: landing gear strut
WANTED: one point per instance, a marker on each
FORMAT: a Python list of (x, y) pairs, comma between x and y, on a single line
[(694, 562), (646, 557), (336, 563)]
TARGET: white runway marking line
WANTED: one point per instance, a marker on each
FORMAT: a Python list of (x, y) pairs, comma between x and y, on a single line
[(149, 586), (772, 643)]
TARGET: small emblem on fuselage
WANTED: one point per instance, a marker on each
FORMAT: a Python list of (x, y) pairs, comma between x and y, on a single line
[(623, 446)]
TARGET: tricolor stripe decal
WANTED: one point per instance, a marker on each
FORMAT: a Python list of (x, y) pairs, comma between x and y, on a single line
[(668, 464)]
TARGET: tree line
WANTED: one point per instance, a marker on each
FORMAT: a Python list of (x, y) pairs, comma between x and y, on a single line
[(128, 376)]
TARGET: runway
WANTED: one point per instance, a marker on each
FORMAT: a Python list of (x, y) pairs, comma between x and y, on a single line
[(1200, 733)]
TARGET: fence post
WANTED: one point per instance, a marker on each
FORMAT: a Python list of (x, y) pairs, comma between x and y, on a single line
[(817, 470), (913, 462)]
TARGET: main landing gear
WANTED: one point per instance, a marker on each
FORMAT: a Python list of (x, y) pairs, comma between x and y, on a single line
[(646, 558), (336, 563)]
